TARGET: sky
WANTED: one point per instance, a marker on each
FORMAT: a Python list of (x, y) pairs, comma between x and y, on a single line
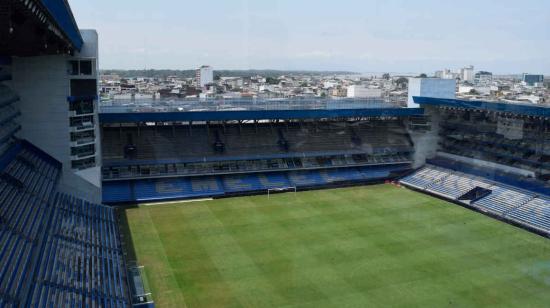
[(403, 36)]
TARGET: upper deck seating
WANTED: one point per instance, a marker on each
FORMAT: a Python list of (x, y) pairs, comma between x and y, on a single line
[(55, 250), (524, 145), (82, 261), (253, 140)]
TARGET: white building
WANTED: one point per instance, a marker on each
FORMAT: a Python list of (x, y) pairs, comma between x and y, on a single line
[(204, 75), (363, 92), (446, 74), (430, 87), (467, 73), (465, 89), (330, 84)]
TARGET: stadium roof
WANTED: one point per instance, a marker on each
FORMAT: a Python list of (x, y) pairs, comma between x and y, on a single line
[(128, 111), (37, 27), (519, 109)]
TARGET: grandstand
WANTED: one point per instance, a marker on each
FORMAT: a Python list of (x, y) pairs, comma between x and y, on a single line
[(77, 259), (162, 160), (56, 249), (491, 157)]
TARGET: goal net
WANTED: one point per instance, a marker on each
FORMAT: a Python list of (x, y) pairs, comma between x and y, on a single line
[(280, 190)]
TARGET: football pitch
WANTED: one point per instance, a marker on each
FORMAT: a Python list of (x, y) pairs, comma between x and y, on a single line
[(353, 247)]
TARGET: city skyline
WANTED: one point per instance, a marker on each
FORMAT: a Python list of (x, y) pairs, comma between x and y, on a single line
[(360, 36)]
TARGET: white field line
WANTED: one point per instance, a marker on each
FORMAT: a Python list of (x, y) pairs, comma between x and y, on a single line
[(174, 202)]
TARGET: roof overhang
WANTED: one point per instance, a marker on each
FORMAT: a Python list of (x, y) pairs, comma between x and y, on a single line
[(37, 27), (504, 108), (137, 117)]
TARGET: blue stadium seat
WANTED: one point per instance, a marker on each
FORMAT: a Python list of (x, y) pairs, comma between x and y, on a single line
[(86, 234), (242, 183), (381, 172), (55, 250), (177, 188), (341, 175), (206, 185), (273, 180), (117, 191), (306, 178), (512, 203)]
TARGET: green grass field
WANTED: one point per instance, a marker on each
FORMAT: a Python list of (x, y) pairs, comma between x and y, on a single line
[(353, 247)]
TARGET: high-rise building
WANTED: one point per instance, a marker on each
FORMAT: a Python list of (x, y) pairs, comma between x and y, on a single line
[(204, 75), (532, 79), (467, 73), (430, 87)]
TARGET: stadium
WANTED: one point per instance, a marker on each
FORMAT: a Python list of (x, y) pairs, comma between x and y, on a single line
[(245, 202)]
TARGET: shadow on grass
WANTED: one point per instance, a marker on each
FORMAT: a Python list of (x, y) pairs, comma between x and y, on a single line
[(131, 256), (128, 242)]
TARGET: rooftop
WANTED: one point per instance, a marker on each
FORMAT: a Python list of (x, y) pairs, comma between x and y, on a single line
[(246, 109), (525, 109), (201, 105)]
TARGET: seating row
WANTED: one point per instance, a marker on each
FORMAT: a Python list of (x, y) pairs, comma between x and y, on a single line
[(208, 186)]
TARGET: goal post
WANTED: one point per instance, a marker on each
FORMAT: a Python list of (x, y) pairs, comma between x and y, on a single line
[(280, 190)]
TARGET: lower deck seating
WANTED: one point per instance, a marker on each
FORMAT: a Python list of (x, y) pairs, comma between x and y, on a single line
[(425, 177), (305, 178), (155, 189), (273, 180), (504, 199), (511, 203), (535, 212), (245, 182), (455, 186), (118, 191), (209, 186)]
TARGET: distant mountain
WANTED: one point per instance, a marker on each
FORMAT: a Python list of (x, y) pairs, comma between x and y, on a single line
[(222, 73)]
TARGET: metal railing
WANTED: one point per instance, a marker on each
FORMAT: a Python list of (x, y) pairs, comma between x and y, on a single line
[(198, 105)]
